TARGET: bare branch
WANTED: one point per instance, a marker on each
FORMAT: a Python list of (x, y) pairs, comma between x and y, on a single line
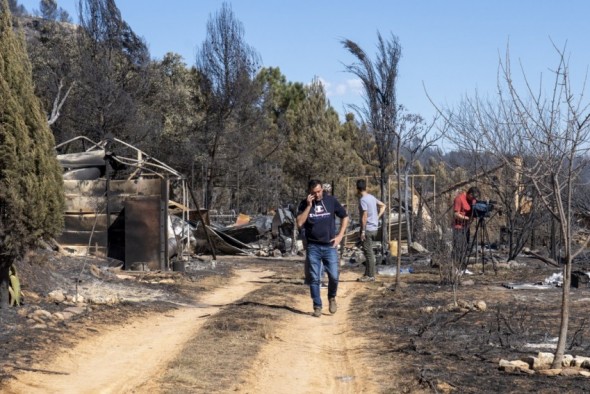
[(59, 102)]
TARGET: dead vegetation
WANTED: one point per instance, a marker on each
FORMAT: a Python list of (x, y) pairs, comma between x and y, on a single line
[(447, 349)]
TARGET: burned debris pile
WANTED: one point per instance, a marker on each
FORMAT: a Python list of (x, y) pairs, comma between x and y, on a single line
[(125, 205)]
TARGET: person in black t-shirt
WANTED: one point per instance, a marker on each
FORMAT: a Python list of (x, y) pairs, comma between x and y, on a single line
[(317, 216)]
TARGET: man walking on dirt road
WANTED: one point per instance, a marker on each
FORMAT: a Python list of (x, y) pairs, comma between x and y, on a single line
[(317, 216)]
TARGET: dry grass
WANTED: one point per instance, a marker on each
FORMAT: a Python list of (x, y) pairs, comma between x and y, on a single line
[(230, 341)]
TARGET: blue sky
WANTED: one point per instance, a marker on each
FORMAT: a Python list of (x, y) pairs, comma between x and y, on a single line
[(451, 47)]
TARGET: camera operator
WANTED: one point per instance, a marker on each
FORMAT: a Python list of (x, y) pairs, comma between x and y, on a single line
[(462, 218)]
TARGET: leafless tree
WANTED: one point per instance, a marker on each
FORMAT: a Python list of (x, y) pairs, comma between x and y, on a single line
[(229, 66), (546, 128)]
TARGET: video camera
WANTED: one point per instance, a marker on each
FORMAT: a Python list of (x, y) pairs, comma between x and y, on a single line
[(483, 209)]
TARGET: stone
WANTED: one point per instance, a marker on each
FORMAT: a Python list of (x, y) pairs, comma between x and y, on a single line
[(569, 372), (582, 362), (468, 282), (520, 364), (94, 270), (67, 315), (506, 366), (124, 277), (41, 313), (57, 296), (445, 388), (58, 316), (23, 312), (550, 372), (480, 305), (76, 310), (545, 358), (567, 360), (427, 309), (505, 363), (527, 371), (515, 365), (533, 362), (463, 304), (78, 299), (30, 295)]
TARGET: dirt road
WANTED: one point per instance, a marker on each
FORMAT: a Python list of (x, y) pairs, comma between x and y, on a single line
[(312, 354)]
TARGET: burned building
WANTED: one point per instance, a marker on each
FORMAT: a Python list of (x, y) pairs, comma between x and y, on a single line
[(117, 204)]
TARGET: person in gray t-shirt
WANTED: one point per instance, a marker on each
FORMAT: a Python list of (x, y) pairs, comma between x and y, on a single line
[(370, 210)]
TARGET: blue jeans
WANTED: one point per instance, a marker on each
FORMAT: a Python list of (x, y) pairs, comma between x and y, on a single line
[(328, 255)]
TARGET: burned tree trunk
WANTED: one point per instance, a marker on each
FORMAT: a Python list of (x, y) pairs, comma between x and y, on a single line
[(4, 283)]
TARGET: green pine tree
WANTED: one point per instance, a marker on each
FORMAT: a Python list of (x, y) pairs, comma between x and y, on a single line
[(31, 186)]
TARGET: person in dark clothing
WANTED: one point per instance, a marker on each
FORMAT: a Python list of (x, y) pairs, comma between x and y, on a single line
[(317, 216)]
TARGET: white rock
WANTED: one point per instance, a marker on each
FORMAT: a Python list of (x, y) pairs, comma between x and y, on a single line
[(427, 309), (58, 316), (520, 364), (41, 313), (567, 360), (550, 372), (569, 372), (67, 315), (545, 358), (56, 296), (78, 299)]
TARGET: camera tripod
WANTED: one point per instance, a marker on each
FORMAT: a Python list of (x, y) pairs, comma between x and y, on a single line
[(481, 237)]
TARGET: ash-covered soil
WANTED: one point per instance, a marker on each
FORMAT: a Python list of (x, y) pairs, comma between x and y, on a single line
[(428, 346), (417, 341), (95, 293)]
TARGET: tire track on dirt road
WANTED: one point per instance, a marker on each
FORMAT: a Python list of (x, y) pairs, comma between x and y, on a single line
[(314, 355), (130, 356)]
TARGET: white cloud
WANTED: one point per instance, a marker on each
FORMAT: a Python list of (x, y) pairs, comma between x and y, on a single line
[(350, 87)]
